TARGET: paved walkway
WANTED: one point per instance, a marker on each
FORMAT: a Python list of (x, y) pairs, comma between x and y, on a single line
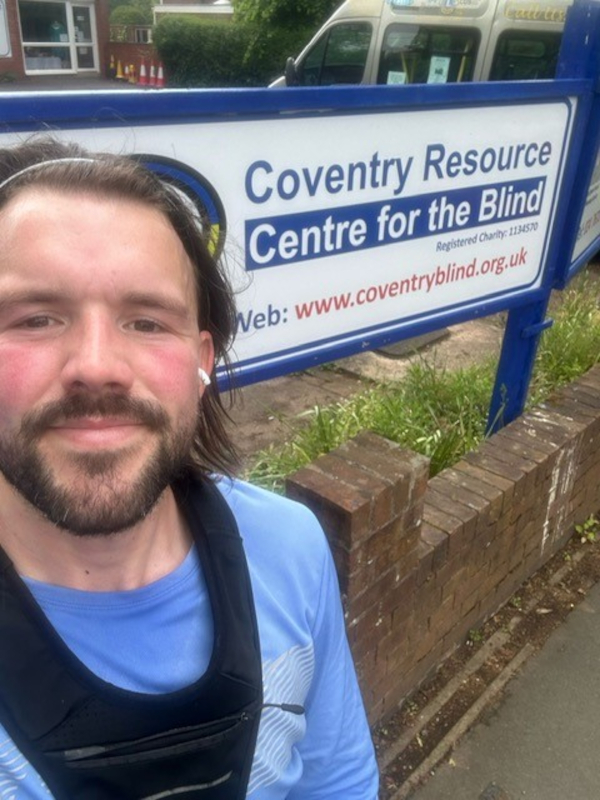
[(62, 83), (541, 743)]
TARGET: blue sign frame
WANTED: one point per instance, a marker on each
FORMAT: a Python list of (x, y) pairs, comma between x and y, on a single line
[(580, 57), (65, 111)]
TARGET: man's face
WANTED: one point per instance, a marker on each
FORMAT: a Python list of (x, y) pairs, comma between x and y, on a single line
[(99, 355)]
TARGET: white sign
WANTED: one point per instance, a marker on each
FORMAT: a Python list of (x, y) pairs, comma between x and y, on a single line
[(589, 228), (341, 228)]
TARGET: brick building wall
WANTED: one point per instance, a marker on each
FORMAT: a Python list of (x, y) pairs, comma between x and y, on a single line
[(14, 64), (103, 32), (422, 562)]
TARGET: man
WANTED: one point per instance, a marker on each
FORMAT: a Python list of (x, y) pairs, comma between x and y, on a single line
[(164, 632)]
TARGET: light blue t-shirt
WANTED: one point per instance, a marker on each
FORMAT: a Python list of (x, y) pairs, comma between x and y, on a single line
[(159, 638)]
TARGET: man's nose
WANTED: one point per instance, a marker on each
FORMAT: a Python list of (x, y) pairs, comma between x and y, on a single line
[(97, 358)]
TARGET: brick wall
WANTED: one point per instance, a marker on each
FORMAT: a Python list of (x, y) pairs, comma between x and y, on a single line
[(422, 562), (13, 65), (102, 32)]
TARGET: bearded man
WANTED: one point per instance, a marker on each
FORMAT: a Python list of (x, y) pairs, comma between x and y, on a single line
[(167, 630)]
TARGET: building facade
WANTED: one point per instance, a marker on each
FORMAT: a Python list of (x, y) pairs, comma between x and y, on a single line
[(52, 37)]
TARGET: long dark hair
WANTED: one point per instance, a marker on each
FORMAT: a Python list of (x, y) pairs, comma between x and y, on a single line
[(70, 168)]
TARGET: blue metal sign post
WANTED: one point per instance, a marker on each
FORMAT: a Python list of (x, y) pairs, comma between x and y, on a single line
[(579, 58)]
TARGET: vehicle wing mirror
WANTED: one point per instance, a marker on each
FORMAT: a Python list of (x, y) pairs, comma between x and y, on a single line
[(291, 74)]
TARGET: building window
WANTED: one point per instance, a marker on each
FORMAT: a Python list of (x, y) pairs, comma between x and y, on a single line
[(57, 36), (143, 35)]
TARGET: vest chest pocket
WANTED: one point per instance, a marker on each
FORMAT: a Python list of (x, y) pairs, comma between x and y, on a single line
[(178, 742)]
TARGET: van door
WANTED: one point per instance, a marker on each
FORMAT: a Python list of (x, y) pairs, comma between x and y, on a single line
[(433, 41), (413, 53), (341, 55)]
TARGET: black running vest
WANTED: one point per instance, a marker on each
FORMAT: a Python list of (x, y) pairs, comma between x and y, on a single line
[(90, 740)]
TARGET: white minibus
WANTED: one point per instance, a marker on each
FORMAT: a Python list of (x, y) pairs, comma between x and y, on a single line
[(424, 41)]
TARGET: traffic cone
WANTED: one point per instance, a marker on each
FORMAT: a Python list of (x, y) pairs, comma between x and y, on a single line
[(119, 74), (160, 78), (152, 80), (143, 80), (132, 74)]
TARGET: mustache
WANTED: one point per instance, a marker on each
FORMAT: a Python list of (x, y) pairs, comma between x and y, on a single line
[(79, 406)]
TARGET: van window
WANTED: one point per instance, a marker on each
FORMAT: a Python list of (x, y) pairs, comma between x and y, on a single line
[(339, 56), (427, 54), (525, 56)]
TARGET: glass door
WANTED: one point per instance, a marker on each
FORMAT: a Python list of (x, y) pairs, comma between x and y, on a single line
[(57, 36), (84, 38)]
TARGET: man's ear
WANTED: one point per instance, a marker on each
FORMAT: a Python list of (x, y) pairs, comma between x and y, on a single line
[(206, 359)]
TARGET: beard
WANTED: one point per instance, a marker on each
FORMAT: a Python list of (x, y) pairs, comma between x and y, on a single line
[(101, 497)]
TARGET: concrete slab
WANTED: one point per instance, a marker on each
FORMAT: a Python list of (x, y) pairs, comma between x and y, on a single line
[(65, 83)]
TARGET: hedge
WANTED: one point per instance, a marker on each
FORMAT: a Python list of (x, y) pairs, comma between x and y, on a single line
[(197, 53)]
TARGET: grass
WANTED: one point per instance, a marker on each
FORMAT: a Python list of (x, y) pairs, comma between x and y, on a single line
[(572, 345), (440, 413)]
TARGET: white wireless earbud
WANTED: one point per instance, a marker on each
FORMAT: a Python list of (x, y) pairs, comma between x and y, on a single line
[(204, 378)]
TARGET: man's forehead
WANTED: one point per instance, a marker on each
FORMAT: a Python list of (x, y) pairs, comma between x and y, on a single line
[(42, 214), (48, 200), (39, 204)]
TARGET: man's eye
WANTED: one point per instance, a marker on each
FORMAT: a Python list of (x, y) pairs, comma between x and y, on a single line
[(146, 326), (39, 321)]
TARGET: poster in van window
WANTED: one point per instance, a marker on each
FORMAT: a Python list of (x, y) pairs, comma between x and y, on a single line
[(344, 229), (439, 66), (589, 226)]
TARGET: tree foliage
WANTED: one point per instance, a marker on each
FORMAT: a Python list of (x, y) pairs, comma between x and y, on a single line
[(135, 12), (199, 53), (285, 12)]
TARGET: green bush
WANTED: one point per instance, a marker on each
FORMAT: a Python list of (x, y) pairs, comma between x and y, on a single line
[(197, 53), (128, 15)]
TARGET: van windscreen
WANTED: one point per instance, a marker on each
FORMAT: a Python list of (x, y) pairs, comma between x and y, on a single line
[(427, 54), (525, 56)]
